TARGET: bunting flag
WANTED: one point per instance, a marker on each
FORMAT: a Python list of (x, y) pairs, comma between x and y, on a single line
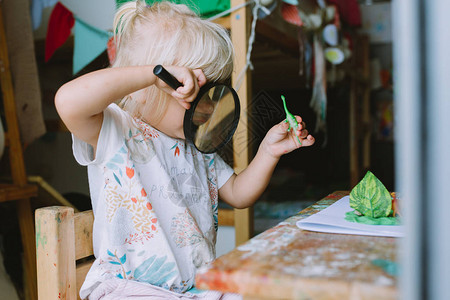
[(290, 14), (111, 49), (37, 6), (59, 28), (90, 42), (349, 11), (205, 8)]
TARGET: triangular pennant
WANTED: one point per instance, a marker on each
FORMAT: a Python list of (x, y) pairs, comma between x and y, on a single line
[(290, 14), (89, 43), (205, 8), (37, 6), (59, 28), (111, 50), (349, 11)]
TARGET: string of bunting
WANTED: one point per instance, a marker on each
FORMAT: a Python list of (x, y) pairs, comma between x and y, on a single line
[(90, 41)]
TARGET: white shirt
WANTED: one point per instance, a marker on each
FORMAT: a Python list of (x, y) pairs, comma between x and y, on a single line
[(155, 202)]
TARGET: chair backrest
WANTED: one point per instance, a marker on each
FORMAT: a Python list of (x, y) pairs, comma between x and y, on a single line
[(64, 251)]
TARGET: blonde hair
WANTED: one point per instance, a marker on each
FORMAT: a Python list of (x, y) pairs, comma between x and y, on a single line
[(169, 34)]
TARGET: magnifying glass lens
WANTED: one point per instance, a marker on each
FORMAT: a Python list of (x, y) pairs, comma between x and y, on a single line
[(203, 111), (215, 115)]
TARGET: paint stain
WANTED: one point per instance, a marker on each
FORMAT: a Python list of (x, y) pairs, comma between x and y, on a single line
[(388, 266), (40, 238)]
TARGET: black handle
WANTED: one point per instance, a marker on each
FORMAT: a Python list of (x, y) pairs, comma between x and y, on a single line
[(165, 76)]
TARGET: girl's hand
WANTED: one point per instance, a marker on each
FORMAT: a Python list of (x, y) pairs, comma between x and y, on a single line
[(192, 81), (279, 141)]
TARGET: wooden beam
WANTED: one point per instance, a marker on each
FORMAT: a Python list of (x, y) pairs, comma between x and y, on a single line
[(240, 25), (363, 42), (17, 164), (360, 129), (224, 21), (10, 192), (226, 217)]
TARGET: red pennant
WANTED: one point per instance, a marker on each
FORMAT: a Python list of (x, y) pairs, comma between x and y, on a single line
[(349, 11), (290, 14), (59, 28), (111, 49)]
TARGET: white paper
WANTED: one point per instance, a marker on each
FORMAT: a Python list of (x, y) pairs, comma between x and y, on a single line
[(332, 220)]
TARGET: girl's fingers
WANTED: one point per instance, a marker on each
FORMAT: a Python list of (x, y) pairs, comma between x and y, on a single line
[(308, 141), (201, 78), (192, 85), (188, 88), (182, 100), (191, 81), (303, 133)]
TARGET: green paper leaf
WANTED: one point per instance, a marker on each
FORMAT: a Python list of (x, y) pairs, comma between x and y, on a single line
[(371, 198), (352, 217)]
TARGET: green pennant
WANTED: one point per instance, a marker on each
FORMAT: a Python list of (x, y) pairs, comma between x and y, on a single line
[(205, 8), (89, 42)]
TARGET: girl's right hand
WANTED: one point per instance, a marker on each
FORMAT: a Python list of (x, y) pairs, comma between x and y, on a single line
[(191, 80)]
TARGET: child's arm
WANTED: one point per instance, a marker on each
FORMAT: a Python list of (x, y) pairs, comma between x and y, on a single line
[(242, 190), (80, 102)]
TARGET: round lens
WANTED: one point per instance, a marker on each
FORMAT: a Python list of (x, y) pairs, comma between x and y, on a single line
[(213, 118)]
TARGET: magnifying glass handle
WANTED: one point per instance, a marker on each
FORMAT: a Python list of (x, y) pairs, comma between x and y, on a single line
[(165, 76)]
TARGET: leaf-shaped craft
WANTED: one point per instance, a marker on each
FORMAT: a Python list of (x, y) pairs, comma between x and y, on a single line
[(370, 197)]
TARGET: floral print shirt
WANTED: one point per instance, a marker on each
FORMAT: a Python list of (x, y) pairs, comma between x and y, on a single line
[(155, 202)]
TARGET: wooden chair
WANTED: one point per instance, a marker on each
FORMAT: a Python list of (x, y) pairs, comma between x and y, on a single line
[(64, 251)]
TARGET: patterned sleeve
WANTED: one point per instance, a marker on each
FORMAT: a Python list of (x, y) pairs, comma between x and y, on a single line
[(224, 171), (110, 137)]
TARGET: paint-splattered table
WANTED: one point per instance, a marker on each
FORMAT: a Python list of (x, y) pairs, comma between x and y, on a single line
[(285, 262)]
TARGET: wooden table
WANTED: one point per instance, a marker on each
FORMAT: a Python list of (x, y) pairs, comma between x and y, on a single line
[(285, 262)]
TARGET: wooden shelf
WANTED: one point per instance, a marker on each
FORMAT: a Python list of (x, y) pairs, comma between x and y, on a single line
[(10, 192)]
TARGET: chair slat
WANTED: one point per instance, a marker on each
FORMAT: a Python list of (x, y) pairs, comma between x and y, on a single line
[(82, 270), (84, 222)]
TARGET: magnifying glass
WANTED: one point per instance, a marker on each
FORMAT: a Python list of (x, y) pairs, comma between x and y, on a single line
[(213, 117)]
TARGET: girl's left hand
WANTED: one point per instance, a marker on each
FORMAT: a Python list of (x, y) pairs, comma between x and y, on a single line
[(191, 80), (279, 141)]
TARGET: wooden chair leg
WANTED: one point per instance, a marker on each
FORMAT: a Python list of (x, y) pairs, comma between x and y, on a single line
[(26, 225)]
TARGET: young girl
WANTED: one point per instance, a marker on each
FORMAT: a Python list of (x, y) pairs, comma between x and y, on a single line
[(154, 196)]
